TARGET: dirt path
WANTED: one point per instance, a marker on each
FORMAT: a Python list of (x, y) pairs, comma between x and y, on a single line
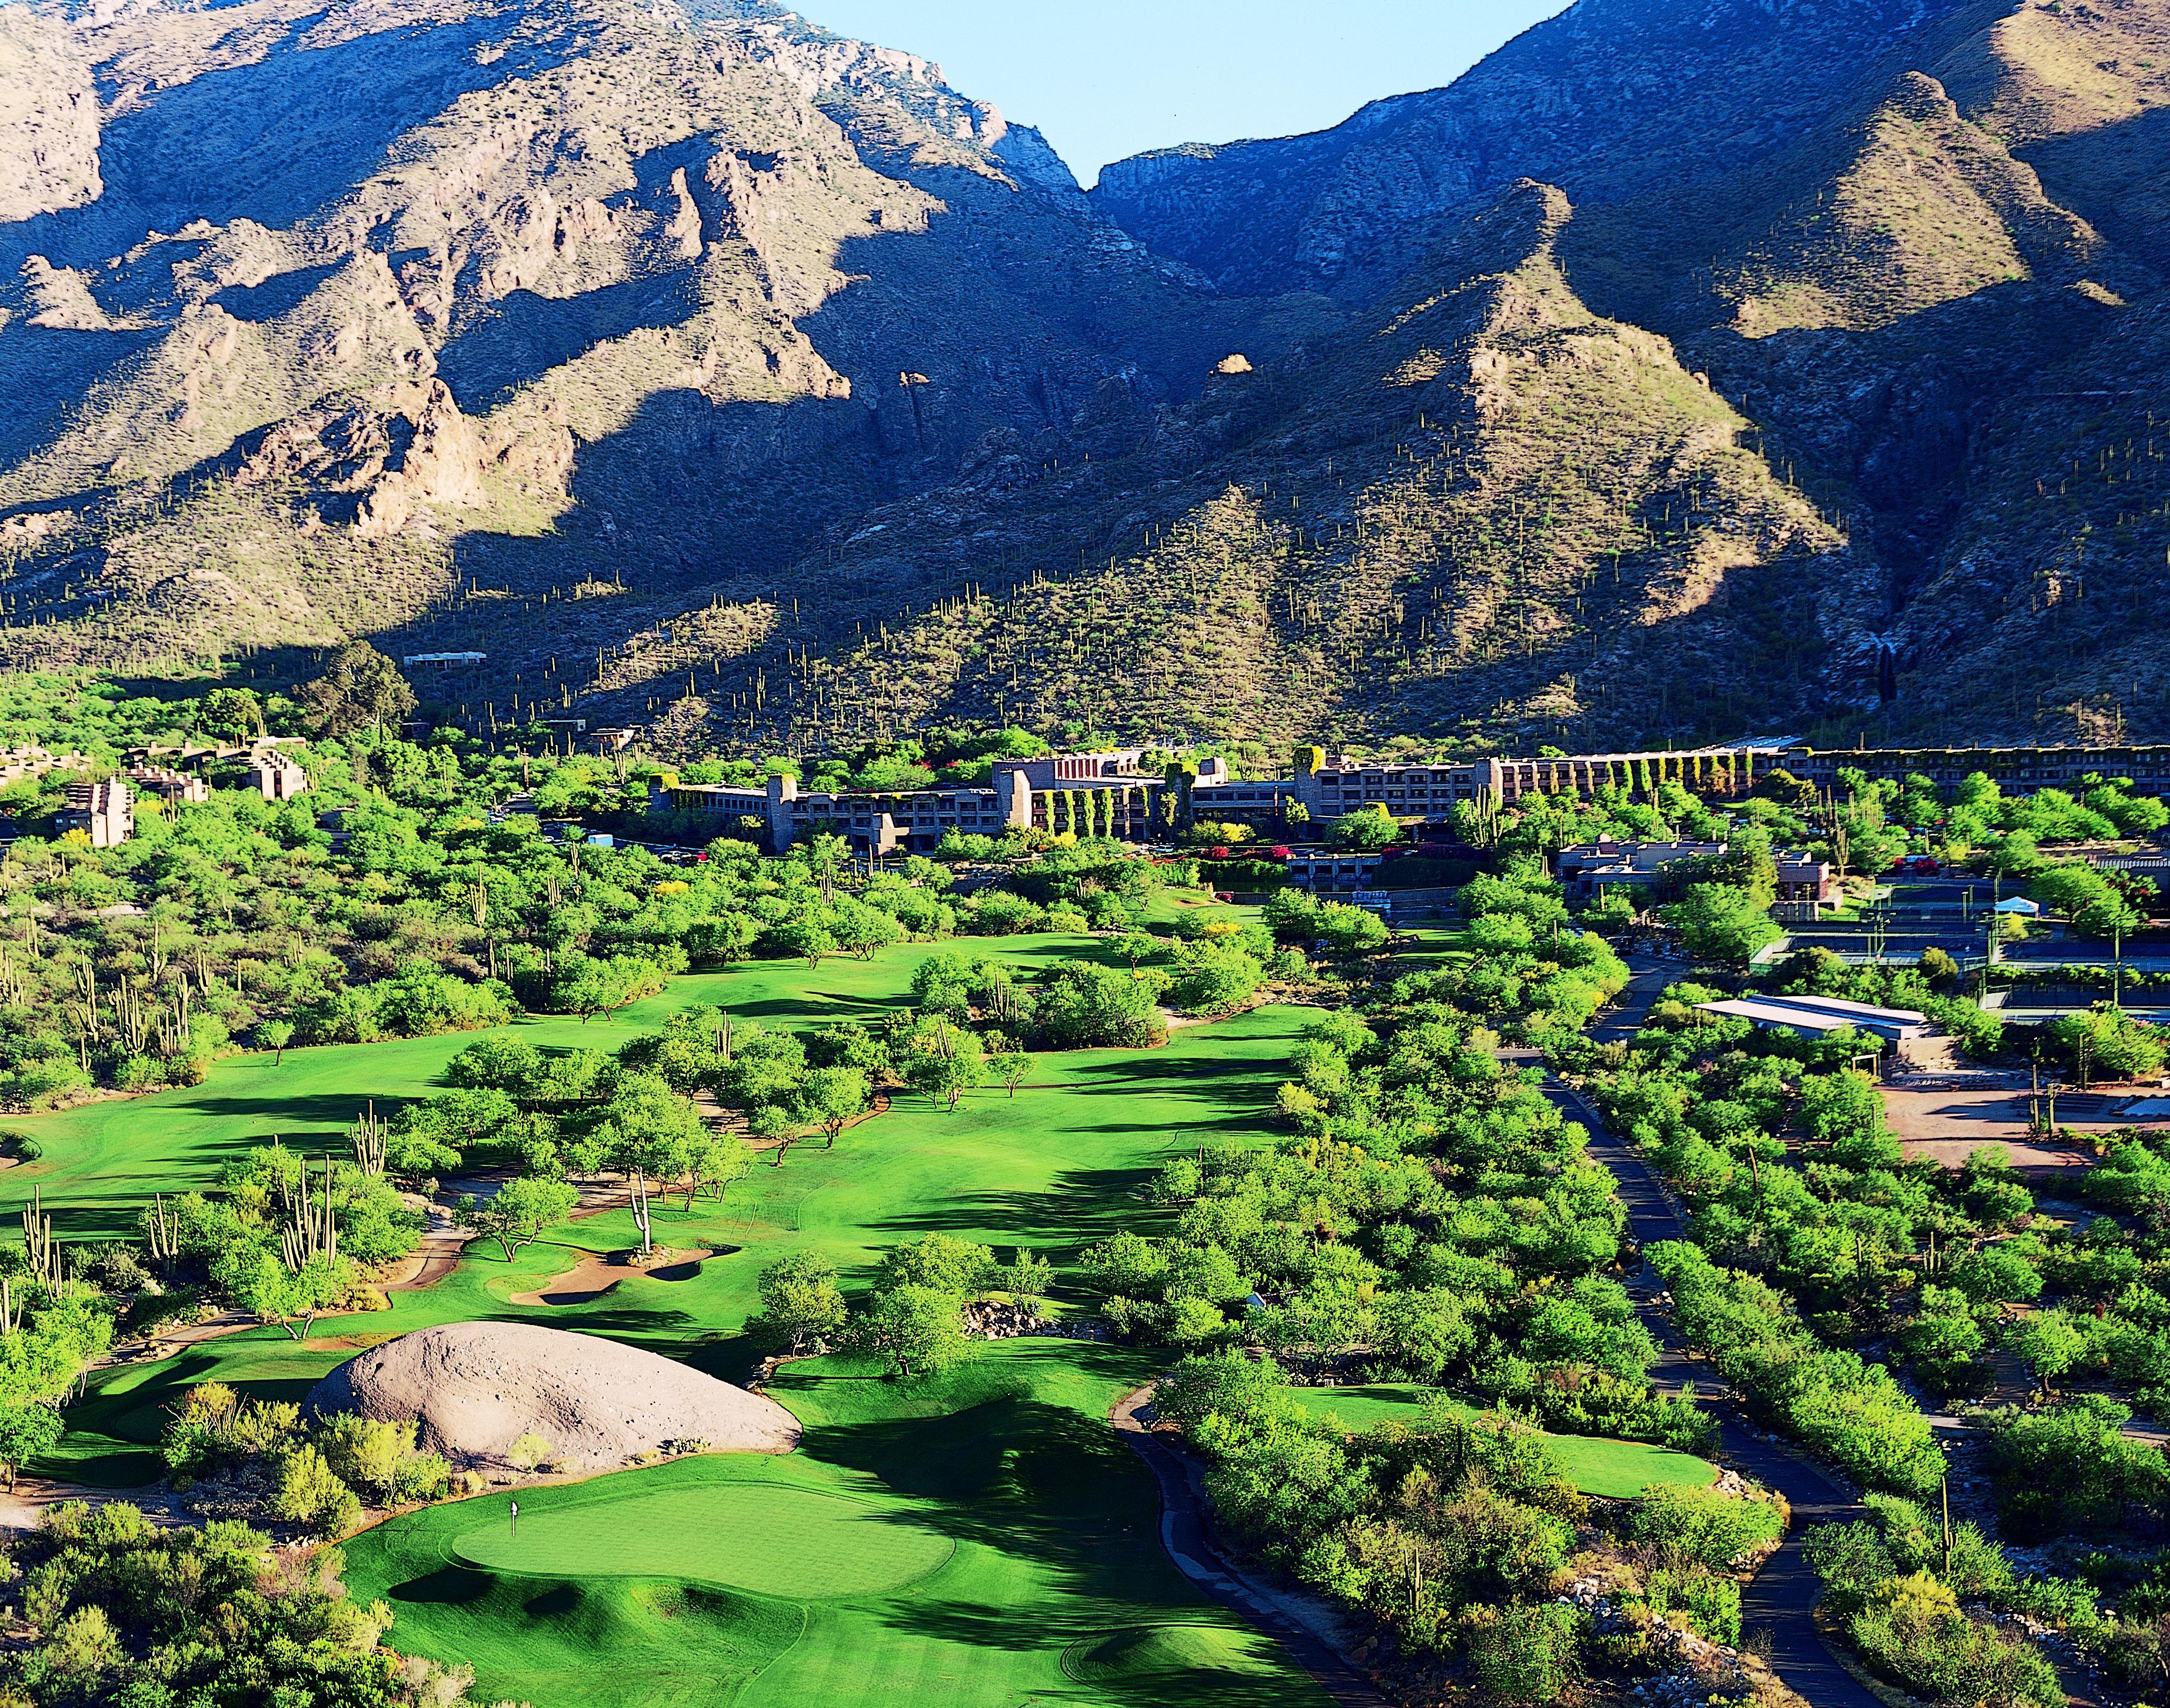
[(1302, 1626)]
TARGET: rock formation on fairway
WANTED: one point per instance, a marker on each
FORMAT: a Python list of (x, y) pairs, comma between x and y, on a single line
[(477, 1386)]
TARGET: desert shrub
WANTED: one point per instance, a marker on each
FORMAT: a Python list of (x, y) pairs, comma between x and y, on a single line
[(1697, 1596), (312, 1496), (1524, 1653), (1682, 1523)]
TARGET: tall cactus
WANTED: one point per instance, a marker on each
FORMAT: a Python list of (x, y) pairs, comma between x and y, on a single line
[(312, 1232), (162, 1230), (640, 1217), (368, 1137), (38, 1242)]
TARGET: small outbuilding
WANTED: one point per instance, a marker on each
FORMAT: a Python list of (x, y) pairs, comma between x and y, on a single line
[(1826, 1014)]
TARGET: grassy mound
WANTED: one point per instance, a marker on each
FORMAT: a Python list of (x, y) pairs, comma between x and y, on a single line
[(773, 1538), (1168, 1654), (1597, 1465), (608, 1642)]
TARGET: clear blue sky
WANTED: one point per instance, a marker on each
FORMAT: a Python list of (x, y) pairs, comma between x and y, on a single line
[(1106, 78)]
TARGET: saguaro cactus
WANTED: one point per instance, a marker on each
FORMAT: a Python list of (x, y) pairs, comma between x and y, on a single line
[(313, 1231), (162, 1230), (640, 1217), (38, 1242), (368, 1137)]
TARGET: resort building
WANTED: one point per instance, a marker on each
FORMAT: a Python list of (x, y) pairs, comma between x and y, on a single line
[(102, 811), (17, 763), (274, 777), (1587, 872), (1110, 793), (2016, 770), (171, 786)]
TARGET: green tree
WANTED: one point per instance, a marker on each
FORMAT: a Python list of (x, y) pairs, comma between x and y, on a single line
[(1028, 1279), (274, 1035), (2050, 1342), (800, 1303), (28, 1429), (1722, 924), (716, 1160), (915, 1330), (310, 1494), (832, 1097), (359, 687), (808, 937), (1365, 828), (944, 1062), (230, 714), (1011, 1069), (519, 1213), (1348, 930)]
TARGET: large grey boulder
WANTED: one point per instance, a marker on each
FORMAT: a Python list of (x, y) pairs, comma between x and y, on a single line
[(477, 1387)]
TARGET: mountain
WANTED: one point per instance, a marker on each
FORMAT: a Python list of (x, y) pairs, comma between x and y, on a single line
[(355, 319), (1678, 370), (1920, 246)]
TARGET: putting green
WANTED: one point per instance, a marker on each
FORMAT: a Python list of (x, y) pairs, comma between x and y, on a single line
[(770, 1538)]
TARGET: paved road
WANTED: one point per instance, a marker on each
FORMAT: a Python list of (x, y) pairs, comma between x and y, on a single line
[(1182, 1533), (1780, 1603)]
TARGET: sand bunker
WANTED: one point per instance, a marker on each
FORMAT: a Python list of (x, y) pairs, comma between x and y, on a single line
[(598, 1271), (477, 1386)]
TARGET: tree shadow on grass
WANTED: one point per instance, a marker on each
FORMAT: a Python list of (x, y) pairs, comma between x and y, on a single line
[(324, 1108), (1080, 1205), (812, 1006), (1041, 1482), (450, 1586)]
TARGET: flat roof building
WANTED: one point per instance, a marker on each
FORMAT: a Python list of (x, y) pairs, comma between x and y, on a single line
[(1586, 871), (102, 811), (170, 786), (1824, 1014)]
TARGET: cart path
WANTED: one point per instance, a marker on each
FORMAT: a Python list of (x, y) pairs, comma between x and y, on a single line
[(1780, 1602), (1304, 1627)]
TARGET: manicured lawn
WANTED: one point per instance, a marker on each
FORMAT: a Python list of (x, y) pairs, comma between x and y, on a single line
[(983, 1540), (1054, 1168), (1597, 1466), (776, 1538)]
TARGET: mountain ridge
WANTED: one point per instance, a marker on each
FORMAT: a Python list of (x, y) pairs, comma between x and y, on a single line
[(706, 370)]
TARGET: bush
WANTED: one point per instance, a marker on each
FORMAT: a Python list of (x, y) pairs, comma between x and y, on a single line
[(998, 913), (312, 1496), (2071, 1469), (1524, 1654), (1913, 1638), (1698, 1597), (1684, 1524)]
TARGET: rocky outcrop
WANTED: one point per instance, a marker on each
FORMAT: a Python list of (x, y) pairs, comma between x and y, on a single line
[(477, 1387), (61, 298), (440, 465)]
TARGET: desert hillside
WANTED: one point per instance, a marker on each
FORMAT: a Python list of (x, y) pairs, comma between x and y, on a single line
[(1696, 370)]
